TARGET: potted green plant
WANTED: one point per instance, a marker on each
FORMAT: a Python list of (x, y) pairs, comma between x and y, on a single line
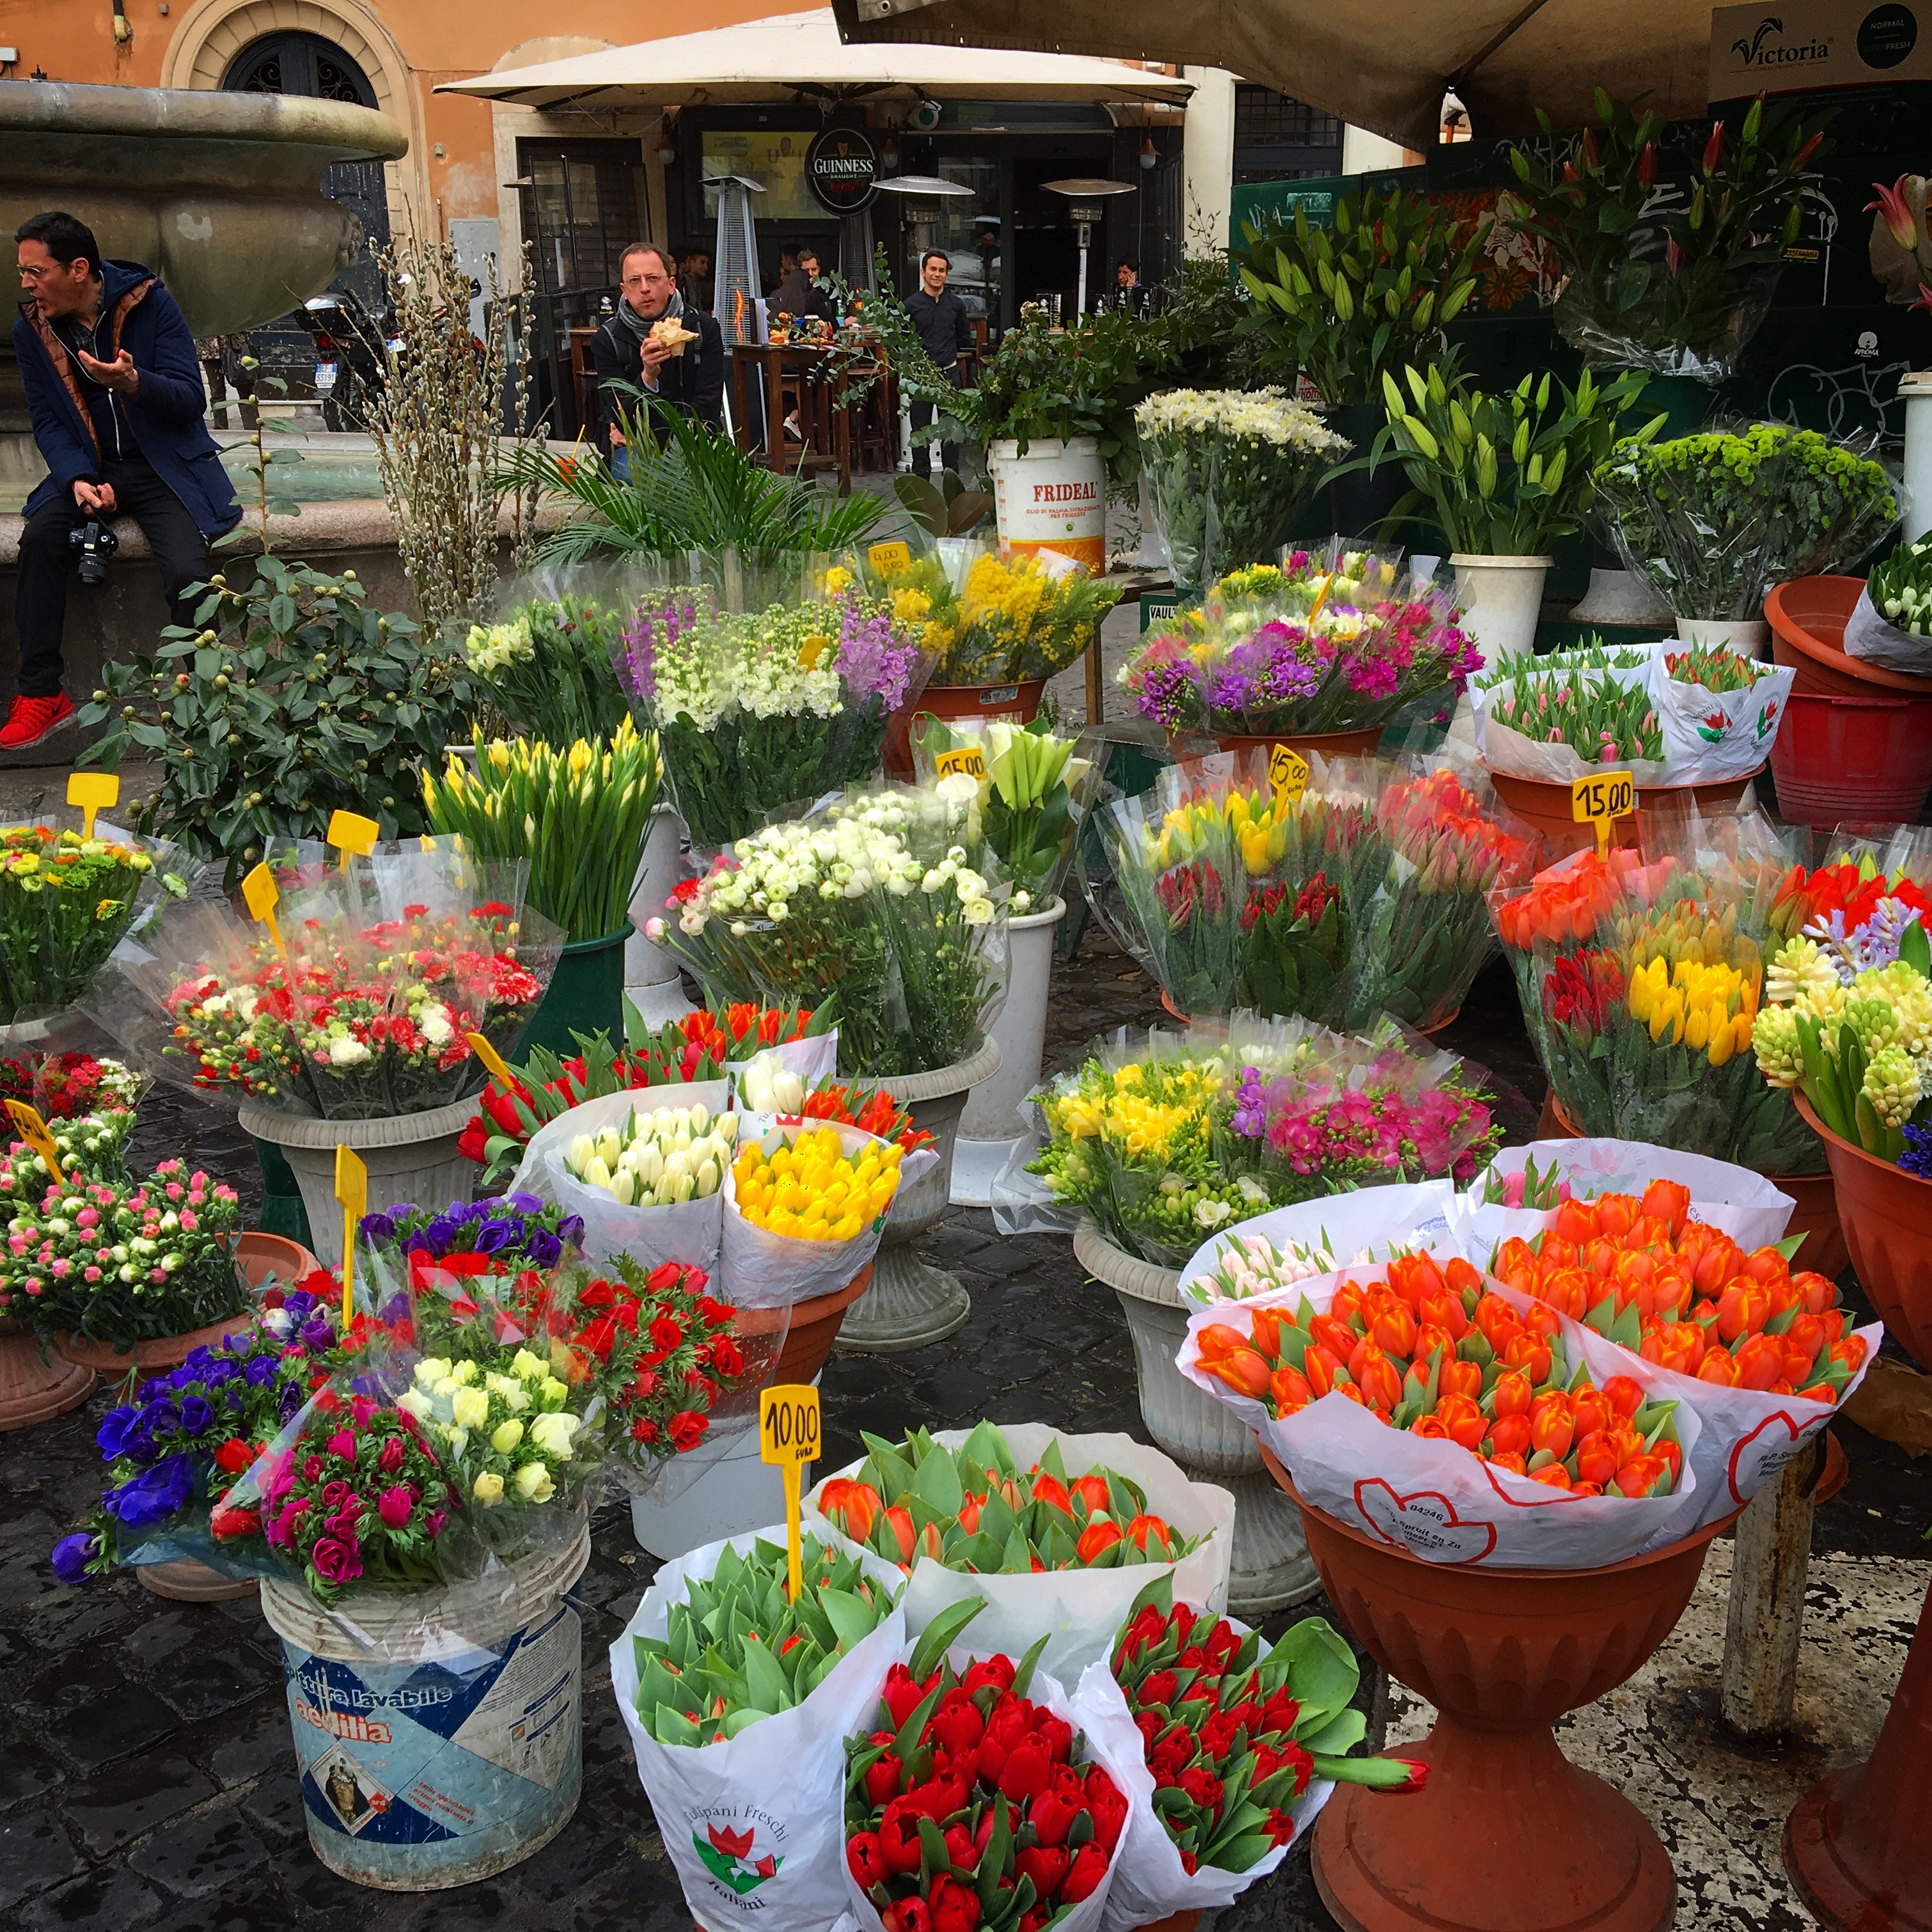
[(1669, 257), (1711, 521), (1503, 477), (1344, 305)]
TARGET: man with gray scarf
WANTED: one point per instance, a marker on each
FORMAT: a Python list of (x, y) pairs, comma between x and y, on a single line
[(691, 377)]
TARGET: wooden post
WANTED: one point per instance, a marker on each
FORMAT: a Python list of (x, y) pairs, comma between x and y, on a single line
[(1096, 680), (1768, 1561)]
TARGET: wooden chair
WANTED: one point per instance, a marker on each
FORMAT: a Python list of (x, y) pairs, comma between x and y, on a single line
[(583, 378)]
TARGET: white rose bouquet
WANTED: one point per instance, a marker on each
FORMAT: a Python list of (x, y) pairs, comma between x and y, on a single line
[(1227, 470)]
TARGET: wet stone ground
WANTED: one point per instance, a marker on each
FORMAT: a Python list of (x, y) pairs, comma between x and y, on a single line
[(147, 1780)]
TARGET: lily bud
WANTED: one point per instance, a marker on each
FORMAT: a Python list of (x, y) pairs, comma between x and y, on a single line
[(1713, 149)]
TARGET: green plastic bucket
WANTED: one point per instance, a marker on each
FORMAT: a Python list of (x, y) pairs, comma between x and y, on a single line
[(586, 996)]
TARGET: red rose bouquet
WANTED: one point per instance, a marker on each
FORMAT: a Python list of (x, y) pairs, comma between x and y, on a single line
[(970, 1803), (1241, 1745)]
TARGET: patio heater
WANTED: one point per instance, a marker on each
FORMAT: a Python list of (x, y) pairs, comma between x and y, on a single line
[(1086, 205), (735, 299), (923, 193)]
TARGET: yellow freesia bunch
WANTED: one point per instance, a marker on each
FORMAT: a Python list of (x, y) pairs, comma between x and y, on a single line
[(813, 1190)]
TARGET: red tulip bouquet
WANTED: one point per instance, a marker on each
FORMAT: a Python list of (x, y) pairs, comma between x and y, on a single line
[(1411, 1401), (739, 1699), (1239, 1746), (1053, 1531), (1762, 1355), (972, 1801)]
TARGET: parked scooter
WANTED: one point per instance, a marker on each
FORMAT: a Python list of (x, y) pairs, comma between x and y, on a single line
[(352, 348)]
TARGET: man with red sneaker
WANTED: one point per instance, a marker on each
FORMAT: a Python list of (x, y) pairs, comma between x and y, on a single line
[(114, 393)]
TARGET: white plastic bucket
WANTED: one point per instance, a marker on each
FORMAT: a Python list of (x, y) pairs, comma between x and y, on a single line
[(450, 1744), (737, 1494), (646, 964), (1053, 498), (991, 1113), (1500, 597)]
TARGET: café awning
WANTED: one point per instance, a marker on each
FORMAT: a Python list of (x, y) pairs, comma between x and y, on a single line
[(800, 56), (1381, 64)]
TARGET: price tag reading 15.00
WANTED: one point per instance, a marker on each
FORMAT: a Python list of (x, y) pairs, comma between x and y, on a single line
[(788, 1435), (1601, 800)]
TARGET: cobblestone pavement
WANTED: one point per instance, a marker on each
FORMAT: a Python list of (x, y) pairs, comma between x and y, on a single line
[(146, 1776)]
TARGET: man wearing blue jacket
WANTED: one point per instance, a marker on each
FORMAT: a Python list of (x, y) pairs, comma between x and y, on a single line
[(115, 396)]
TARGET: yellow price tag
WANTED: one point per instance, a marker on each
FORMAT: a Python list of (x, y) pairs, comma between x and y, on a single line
[(1601, 800), (788, 1435), (93, 792), (886, 558), (261, 896), (1288, 773), (353, 834), (352, 1191), (491, 1059), (970, 759), (34, 1132)]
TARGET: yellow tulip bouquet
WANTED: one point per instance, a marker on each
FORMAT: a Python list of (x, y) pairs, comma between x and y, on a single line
[(579, 817)]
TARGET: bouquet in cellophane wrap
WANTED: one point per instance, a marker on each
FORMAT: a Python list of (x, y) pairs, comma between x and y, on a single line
[(1428, 933), (356, 1004), (1641, 980), (875, 900), (760, 711), (1233, 892), (1332, 639)]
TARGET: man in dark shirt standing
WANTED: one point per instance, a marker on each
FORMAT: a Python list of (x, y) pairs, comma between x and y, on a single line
[(940, 316)]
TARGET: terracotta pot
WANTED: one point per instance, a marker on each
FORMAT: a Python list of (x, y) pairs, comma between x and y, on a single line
[(1507, 1835), (37, 1384), (186, 1581), (158, 1352), (1544, 805), (1356, 744), (1807, 618), (263, 1259), (1019, 702), (1174, 1921), (814, 1327), (1815, 1217)]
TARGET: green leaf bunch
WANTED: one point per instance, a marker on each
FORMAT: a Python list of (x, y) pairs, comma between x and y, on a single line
[(1346, 305), (736, 1649), (1506, 475), (287, 700)]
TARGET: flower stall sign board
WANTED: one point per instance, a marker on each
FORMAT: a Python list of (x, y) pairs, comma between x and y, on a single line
[(886, 558), (34, 1132), (92, 792), (351, 834), (788, 1436), (1287, 772), (261, 896), (352, 1190), (1601, 799)]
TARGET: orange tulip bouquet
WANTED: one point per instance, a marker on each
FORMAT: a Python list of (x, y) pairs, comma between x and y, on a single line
[(1052, 1530), (1665, 1298), (1640, 982), (1413, 1401)]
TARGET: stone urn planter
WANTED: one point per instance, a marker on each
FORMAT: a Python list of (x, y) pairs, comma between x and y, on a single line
[(909, 1304), (411, 1157), (1507, 1835), (1855, 1844), (1271, 1568)]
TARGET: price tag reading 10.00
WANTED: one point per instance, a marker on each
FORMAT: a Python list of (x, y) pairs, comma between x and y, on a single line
[(1601, 799), (788, 1435)]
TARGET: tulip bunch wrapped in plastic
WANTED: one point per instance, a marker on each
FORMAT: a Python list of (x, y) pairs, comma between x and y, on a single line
[(357, 1005), (1641, 984), (874, 900), (1428, 934), (1233, 893), (1330, 640)]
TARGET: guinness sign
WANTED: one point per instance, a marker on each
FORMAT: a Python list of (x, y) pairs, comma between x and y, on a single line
[(843, 168)]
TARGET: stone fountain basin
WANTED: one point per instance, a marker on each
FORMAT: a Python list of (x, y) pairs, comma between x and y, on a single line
[(220, 193)]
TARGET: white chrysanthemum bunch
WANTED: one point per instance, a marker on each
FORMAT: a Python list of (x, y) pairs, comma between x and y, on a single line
[(1258, 415)]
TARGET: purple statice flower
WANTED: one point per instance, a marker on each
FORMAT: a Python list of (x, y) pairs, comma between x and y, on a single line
[(650, 630), (872, 662), (1917, 1158)]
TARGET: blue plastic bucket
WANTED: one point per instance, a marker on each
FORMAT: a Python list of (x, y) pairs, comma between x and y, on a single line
[(448, 1746)]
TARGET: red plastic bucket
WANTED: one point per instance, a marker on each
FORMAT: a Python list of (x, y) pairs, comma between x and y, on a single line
[(1840, 759)]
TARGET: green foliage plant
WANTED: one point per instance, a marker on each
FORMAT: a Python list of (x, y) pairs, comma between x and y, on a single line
[(287, 700), (1347, 305)]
